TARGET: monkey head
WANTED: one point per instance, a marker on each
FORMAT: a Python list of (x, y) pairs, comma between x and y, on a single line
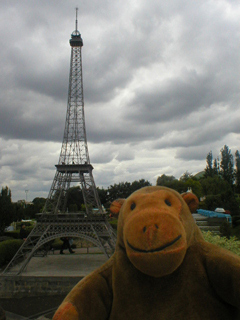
[(155, 228)]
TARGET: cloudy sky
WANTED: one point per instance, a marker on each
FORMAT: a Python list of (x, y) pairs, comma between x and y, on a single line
[(161, 87)]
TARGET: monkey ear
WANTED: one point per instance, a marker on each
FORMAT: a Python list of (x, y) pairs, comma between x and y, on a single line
[(191, 200), (116, 206)]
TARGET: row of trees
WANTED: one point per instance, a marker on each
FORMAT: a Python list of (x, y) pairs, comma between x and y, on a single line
[(225, 167), (218, 185), (10, 211), (121, 190)]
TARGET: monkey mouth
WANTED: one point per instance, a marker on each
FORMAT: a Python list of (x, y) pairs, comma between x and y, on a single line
[(157, 249)]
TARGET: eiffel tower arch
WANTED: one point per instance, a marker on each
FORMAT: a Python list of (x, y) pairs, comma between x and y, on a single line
[(73, 167)]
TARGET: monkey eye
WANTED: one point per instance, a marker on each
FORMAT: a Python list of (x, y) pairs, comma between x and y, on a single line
[(168, 203), (133, 206)]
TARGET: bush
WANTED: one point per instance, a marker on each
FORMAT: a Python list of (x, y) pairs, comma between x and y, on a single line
[(232, 244), (8, 249), (113, 223), (15, 234), (225, 230), (12, 234), (236, 232), (27, 224)]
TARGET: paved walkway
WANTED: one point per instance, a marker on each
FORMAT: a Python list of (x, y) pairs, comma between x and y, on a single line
[(79, 264)]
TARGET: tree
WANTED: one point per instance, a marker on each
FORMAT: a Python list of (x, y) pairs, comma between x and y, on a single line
[(124, 189), (38, 204), (216, 166), (237, 172), (164, 179), (214, 185), (196, 187), (139, 184), (185, 176), (226, 165), (74, 197), (6, 209), (209, 170), (172, 182), (103, 196), (18, 209)]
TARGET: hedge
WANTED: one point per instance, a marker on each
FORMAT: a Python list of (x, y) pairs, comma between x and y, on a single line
[(15, 234), (8, 249), (232, 244)]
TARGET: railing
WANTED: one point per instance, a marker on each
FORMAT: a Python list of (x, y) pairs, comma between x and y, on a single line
[(213, 214)]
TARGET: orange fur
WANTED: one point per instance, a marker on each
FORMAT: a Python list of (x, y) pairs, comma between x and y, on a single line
[(65, 312)]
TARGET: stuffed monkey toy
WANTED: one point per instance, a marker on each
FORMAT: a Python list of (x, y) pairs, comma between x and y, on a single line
[(162, 267)]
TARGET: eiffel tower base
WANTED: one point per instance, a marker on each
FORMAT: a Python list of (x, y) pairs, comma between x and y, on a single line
[(93, 228)]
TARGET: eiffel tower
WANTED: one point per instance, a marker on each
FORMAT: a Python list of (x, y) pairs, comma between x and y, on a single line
[(73, 167)]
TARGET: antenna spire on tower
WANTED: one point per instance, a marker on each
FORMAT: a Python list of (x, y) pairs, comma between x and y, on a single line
[(76, 19)]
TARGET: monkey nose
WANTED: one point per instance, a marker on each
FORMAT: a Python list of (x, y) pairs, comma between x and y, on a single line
[(151, 227), (150, 231)]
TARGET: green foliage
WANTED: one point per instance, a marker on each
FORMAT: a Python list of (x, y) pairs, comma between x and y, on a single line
[(83, 208), (15, 234), (164, 179), (237, 172), (113, 223), (181, 185), (214, 185), (225, 230), (27, 224), (185, 176), (74, 198), (226, 165), (103, 196), (195, 186), (211, 168), (38, 204), (12, 234), (8, 249), (19, 211), (226, 200), (6, 209), (236, 231), (124, 189), (232, 244), (24, 210), (212, 202), (171, 182)]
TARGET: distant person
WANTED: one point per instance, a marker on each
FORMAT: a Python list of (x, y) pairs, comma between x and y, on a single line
[(23, 233), (66, 245)]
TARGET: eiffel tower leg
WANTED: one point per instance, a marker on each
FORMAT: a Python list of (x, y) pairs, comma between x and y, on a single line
[(36, 247), (27, 250), (100, 243)]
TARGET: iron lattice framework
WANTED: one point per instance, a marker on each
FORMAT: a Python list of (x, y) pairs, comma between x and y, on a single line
[(74, 162), (73, 167)]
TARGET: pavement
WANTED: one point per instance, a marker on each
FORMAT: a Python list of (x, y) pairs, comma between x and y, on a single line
[(80, 263)]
